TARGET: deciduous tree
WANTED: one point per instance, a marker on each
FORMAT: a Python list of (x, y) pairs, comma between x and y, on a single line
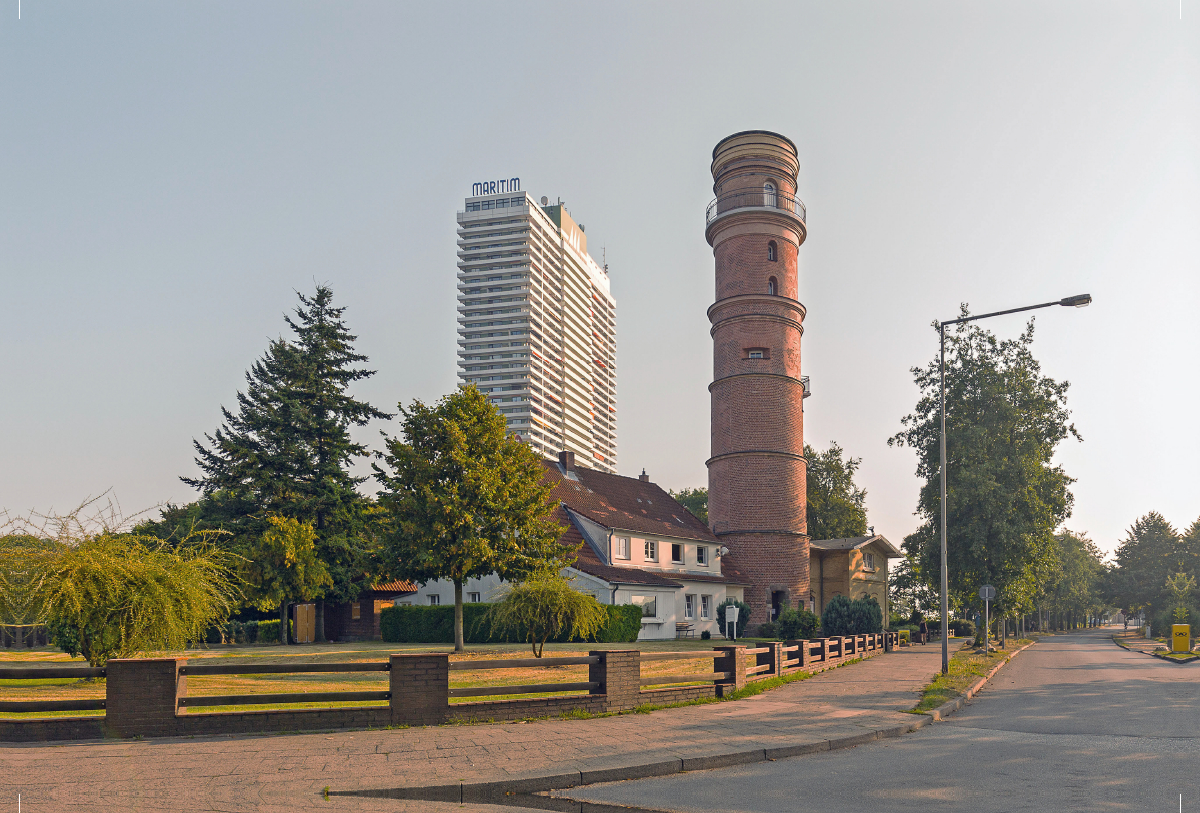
[(1005, 497), (836, 507), (464, 500)]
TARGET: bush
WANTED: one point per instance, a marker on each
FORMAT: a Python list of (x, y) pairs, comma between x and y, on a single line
[(624, 625), (251, 631), (407, 624), (268, 631), (963, 627), (1161, 621), (795, 625), (845, 617), (768, 630), (743, 617), (705, 635)]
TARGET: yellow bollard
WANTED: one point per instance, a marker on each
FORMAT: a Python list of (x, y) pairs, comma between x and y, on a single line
[(1181, 637)]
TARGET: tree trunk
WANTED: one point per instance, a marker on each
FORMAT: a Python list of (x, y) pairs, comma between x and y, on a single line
[(458, 617), (283, 619), (319, 633)]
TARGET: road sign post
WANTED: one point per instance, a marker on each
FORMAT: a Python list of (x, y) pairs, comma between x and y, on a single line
[(987, 593)]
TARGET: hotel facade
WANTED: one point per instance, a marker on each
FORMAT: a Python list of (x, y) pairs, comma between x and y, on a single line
[(537, 323)]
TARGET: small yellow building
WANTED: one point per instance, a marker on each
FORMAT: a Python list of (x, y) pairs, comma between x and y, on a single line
[(853, 567)]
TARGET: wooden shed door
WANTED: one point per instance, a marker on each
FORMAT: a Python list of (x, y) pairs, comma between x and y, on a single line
[(304, 622)]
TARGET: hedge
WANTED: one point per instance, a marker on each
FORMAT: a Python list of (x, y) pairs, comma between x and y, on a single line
[(411, 624)]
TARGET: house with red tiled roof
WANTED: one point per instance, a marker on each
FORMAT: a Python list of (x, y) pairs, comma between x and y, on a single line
[(637, 545)]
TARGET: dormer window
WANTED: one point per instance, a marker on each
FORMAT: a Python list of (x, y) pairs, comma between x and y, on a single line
[(702, 555), (772, 251), (622, 547)]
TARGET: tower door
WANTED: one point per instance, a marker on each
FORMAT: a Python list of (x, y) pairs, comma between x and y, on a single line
[(778, 603)]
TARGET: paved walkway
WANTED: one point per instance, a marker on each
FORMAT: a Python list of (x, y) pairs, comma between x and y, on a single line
[(288, 772), (1072, 724)]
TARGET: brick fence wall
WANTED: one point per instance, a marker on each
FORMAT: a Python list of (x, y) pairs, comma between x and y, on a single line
[(142, 695)]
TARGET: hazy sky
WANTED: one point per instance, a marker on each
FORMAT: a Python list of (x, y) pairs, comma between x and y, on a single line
[(170, 172)]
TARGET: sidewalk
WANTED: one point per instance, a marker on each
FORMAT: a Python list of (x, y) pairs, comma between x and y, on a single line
[(288, 772)]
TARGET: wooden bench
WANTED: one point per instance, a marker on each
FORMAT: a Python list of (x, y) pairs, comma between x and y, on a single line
[(684, 630)]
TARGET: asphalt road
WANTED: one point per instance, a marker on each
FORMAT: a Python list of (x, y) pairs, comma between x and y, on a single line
[(1073, 723)]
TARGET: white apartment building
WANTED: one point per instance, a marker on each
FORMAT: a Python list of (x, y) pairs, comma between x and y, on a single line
[(537, 323)]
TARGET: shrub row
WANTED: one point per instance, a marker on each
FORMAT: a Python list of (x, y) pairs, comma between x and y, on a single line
[(410, 624)]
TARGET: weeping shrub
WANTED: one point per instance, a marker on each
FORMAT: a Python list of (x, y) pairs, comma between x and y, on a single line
[(545, 608), (118, 595)]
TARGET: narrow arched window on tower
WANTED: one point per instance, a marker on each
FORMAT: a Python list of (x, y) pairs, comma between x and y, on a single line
[(769, 198), (772, 251), (772, 286)]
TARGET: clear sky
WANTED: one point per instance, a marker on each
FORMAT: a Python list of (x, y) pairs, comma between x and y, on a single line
[(170, 172)]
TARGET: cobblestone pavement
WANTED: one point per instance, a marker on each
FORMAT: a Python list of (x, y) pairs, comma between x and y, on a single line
[(288, 772)]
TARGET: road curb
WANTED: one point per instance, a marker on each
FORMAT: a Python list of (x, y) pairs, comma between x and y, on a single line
[(481, 791), (946, 709)]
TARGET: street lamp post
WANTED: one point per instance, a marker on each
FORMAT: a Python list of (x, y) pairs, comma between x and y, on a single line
[(1081, 301)]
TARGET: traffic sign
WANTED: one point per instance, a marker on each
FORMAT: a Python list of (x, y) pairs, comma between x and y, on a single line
[(987, 592)]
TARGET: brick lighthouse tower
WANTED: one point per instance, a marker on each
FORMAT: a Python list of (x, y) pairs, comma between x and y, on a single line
[(756, 475)]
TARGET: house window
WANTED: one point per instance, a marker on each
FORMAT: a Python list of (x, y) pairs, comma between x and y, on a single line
[(773, 287), (355, 611), (435, 599), (648, 604), (689, 606), (772, 251), (701, 555), (755, 354), (868, 561), (769, 198), (622, 547), (651, 551), (677, 554), (474, 598), (705, 608)]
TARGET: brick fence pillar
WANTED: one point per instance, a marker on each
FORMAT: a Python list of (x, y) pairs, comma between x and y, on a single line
[(733, 660), (420, 687), (824, 650), (802, 657), (619, 674), (142, 696), (774, 657)]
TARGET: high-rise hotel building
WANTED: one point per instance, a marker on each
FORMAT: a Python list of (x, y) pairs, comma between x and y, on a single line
[(537, 323)]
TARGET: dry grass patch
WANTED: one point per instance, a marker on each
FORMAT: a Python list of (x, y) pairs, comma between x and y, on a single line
[(966, 667)]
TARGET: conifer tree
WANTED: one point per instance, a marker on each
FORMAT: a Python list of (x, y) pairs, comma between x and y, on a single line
[(287, 450)]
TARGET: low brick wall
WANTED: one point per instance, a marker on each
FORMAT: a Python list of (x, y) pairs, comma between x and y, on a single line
[(52, 729), (143, 695)]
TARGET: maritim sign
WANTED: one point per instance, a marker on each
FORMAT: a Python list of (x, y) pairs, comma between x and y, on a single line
[(495, 187)]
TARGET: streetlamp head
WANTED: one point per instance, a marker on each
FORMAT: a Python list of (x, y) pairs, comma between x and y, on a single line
[(1081, 301)]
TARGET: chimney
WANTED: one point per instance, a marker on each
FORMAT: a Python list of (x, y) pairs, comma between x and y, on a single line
[(566, 460), (645, 478)]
